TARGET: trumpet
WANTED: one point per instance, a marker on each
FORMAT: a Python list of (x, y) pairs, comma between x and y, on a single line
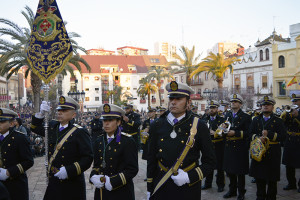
[(223, 128)]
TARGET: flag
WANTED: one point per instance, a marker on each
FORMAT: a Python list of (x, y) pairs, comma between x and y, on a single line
[(49, 46), (293, 81)]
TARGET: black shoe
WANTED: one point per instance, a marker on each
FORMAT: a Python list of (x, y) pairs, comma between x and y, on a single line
[(241, 197), (290, 187), (229, 195), (220, 189), (253, 180), (204, 187)]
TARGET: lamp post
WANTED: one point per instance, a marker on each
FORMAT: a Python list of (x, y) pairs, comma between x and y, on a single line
[(77, 96)]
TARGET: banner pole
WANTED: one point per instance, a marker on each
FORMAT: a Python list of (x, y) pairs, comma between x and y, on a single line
[(46, 126)]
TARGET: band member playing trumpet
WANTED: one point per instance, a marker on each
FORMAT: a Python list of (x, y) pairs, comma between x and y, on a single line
[(214, 121), (271, 131), (115, 158), (236, 154)]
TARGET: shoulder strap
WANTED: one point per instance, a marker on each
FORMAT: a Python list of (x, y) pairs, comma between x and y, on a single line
[(189, 144), (60, 144)]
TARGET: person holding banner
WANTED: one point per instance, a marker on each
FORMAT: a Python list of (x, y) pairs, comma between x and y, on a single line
[(15, 157), (70, 151), (176, 140), (115, 158)]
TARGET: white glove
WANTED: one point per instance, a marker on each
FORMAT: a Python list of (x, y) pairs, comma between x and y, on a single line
[(62, 174), (95, 179), (45, 107), (108, 186), (148, 195), (3, 175), (181, 179)]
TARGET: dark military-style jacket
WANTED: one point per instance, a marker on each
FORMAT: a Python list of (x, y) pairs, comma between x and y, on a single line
[(75, 155), (164, 151), (217, 141), (132, 126), (269, 167), (146, 145), (121, 165), (17, 159), (236, 153), (291, 153)]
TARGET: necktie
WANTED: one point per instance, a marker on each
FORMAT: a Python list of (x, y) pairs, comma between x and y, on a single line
[(1, 137), (234, 115), (266, 118), (175, 120), (109, 140), (61, 128), (212, 118)]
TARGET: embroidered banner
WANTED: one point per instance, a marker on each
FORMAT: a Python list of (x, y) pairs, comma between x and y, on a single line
[(49, 47)]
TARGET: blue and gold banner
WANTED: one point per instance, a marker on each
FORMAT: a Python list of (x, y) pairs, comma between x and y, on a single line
[(49, 47)]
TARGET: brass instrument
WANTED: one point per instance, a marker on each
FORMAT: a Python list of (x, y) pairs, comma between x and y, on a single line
[(221, 130), (144, 135)]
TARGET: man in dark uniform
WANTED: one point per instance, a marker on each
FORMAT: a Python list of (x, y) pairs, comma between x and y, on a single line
[(145, 131), (214, 121), (226, 108), (236, 154), (131, 123), (269, 129), (15, 157), (115, 159), (70, 151), (170, 174), (4, 195), (160, 111), (96, 126), (291, 153)]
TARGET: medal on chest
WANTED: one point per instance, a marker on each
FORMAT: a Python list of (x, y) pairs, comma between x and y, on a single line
[(173, 134)]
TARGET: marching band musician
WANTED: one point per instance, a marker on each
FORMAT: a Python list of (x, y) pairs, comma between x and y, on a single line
[(176, 140), (291, 153), (271, 131), (236, 154), (225, 105), (115, 158), (15, 157), (214, 121), (70, 151)]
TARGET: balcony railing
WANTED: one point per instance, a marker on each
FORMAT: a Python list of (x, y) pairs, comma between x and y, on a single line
[(196, 97), (143, 101), (196, 82), (104, 71), (153, 100)]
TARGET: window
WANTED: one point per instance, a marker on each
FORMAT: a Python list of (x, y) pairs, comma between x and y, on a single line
[(176, 79), (87, 98), (199, 91), (87, 89), (96, 98), (267, 54), (261, 55), (281, 88), (86, 78), (97, 78), (181, 79), (206, 76), (250, 81), (281, 62), (97, 90), (264, 81), (225, 74)]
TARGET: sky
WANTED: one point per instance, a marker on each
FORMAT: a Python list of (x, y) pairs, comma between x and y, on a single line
[(111, 24)]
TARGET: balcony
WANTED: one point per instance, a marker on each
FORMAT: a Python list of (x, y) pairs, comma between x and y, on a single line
[(196, 82), (153, 100), (104, 71), (143, 101), (196, 97), (132, 71), (105, 102)]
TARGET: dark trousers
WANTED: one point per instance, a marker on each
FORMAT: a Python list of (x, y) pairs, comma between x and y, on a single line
[(220, 178), (237, 182), (291, 176), (264, 193)]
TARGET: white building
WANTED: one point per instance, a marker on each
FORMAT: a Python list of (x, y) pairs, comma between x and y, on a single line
[(165, 49), (253, 75)]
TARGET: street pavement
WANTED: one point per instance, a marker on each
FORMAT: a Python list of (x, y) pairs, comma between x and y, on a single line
[(37, 184)]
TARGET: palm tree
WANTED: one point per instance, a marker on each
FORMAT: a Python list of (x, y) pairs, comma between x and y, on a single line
[(217, 65), (188, 62), (13, 53), (159, 73), (146, 88)]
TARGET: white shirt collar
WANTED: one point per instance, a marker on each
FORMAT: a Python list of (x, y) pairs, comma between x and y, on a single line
[(6, 134), (113, 136), (65, 126), (171, 117)]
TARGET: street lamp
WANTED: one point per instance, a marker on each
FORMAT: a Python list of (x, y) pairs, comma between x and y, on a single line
[(77, 96)]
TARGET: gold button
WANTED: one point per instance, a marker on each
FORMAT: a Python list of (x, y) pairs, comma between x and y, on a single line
[(99, 150), (49, 153), (160, 169), (63, 148), (13, 138), (50, 145), (182, 141), (160, 160), (63, 157), (100, 165), (181, 165), (115, 150), (111, 158), (4, 159), (66, 140), (8, 145), (4, 152), (100, 158), (119, 142), (186, 133), (62, 165), (111, 166), (160, 150), (110, 173), (100, 142), (161, 139)]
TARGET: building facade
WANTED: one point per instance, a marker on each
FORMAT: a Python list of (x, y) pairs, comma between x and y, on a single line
[(165, 49)]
